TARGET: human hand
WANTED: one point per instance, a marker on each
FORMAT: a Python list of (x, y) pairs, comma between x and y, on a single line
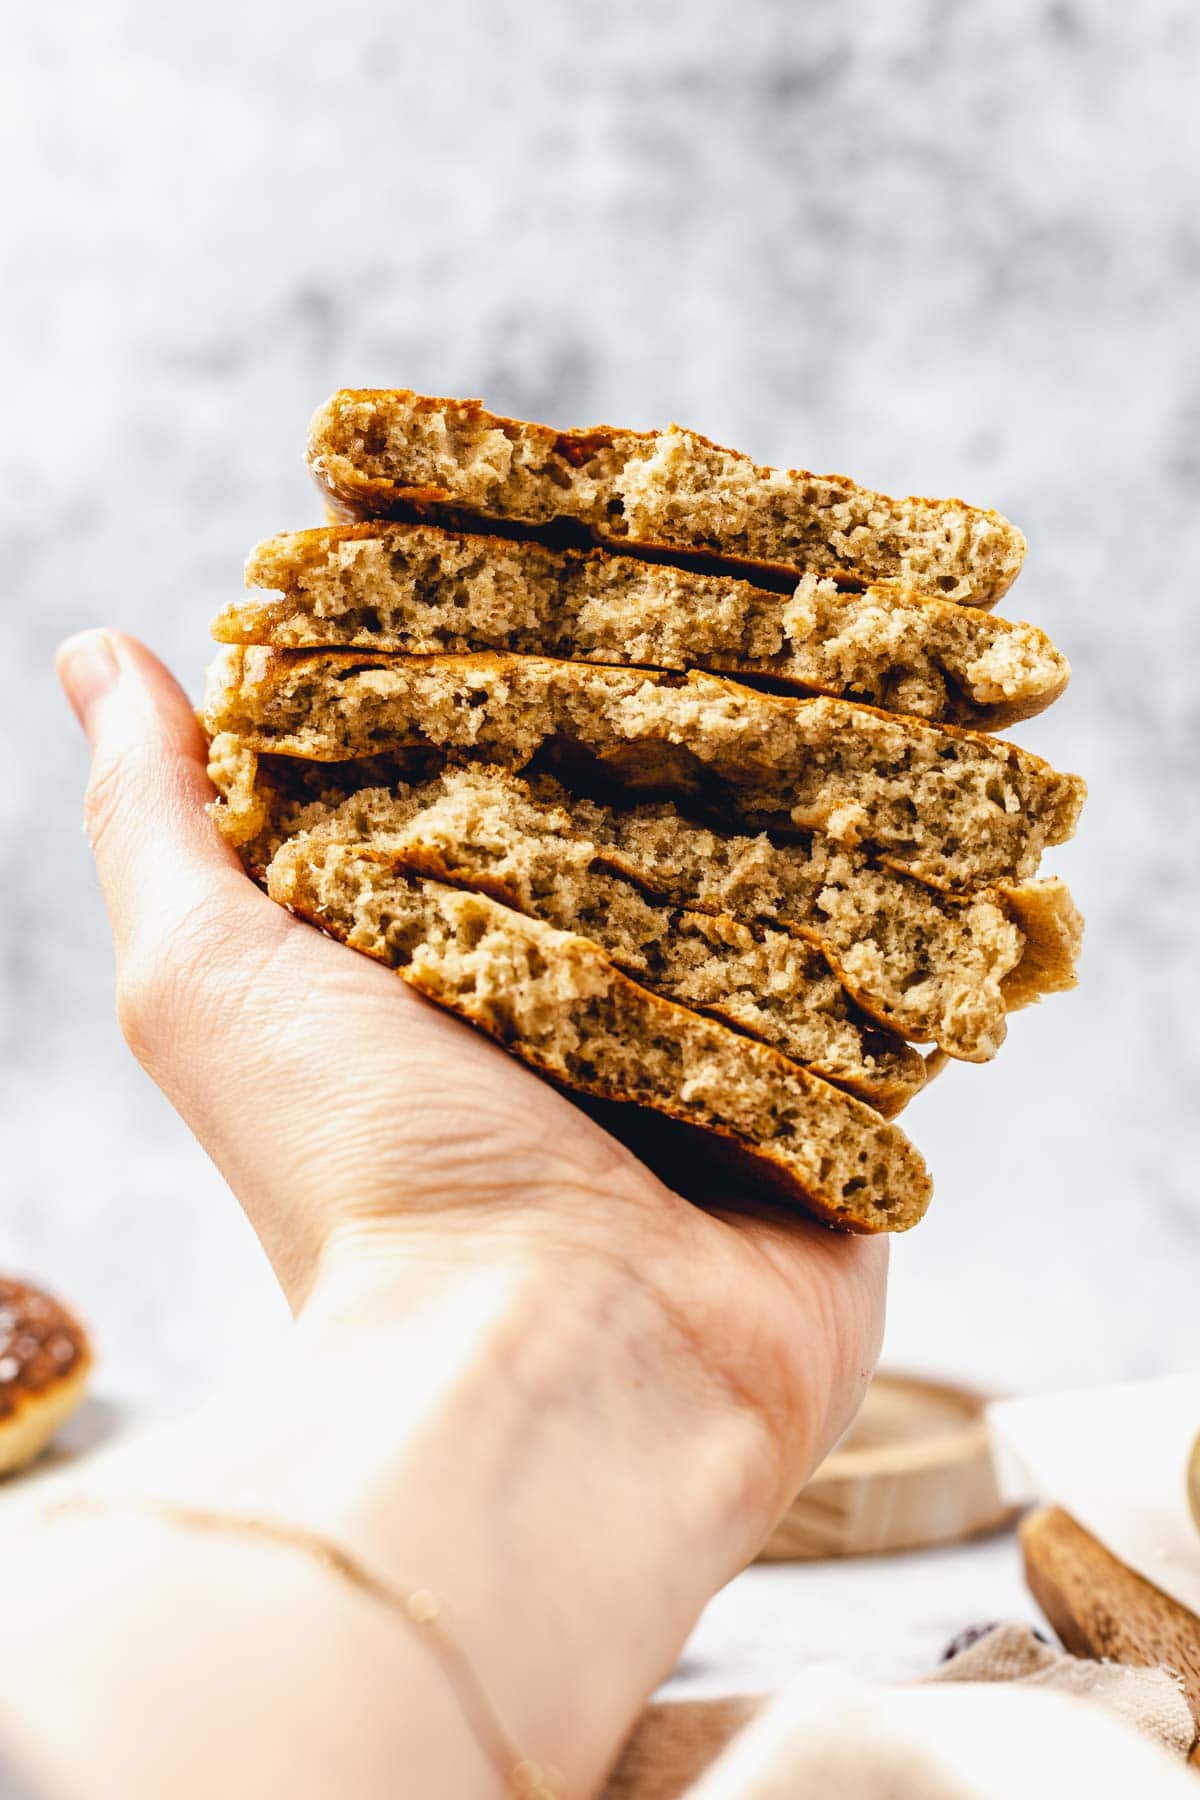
[(389, 1157)]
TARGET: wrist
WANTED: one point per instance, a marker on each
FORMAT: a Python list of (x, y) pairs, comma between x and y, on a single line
[(537, 1356), (546, 1369), (526, 1435)]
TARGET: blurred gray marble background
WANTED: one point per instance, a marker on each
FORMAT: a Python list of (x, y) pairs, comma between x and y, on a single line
[(949, 248)]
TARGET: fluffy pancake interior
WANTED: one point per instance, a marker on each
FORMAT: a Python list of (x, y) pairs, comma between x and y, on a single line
[(558, 1002), (934, 968), (766, 982), (421, 590), (673, 488), (956, 808)]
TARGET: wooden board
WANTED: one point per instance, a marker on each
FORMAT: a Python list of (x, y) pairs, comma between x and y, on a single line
[(1101, 1609), (914, 1469), (673, 1743)]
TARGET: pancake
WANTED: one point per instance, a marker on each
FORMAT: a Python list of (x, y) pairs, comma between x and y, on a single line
[(422, 590), (387, 452), (931, 967), (560, 1005), (765, 982), (955, 808)]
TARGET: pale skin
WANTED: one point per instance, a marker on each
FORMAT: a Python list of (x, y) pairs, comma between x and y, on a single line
[(522, 1372)]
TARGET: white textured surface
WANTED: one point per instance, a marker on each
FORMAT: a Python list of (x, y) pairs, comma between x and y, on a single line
[(886, 1618), (950, 249)]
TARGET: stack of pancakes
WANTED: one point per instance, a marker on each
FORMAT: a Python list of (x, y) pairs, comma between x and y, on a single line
[(667, 770)]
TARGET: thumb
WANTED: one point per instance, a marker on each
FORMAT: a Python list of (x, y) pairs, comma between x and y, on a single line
[(161, 862), (192, 933)]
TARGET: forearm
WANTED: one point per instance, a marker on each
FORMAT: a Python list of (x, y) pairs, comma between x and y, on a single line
[(142, 1659), (516, 1444)]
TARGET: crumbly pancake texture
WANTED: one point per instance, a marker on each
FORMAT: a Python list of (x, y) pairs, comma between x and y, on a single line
[(955, 808), (931, 967), (765, 982), (422, 590), (381, 453), (557, 1002)]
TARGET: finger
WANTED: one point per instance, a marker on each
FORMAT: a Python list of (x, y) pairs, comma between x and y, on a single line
[(158, 856)]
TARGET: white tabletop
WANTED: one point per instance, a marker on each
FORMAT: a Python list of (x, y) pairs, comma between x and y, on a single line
[(884, 1618)]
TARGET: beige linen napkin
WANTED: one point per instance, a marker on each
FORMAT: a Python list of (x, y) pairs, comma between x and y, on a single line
[(1151, 1700), (1009, 1718)]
